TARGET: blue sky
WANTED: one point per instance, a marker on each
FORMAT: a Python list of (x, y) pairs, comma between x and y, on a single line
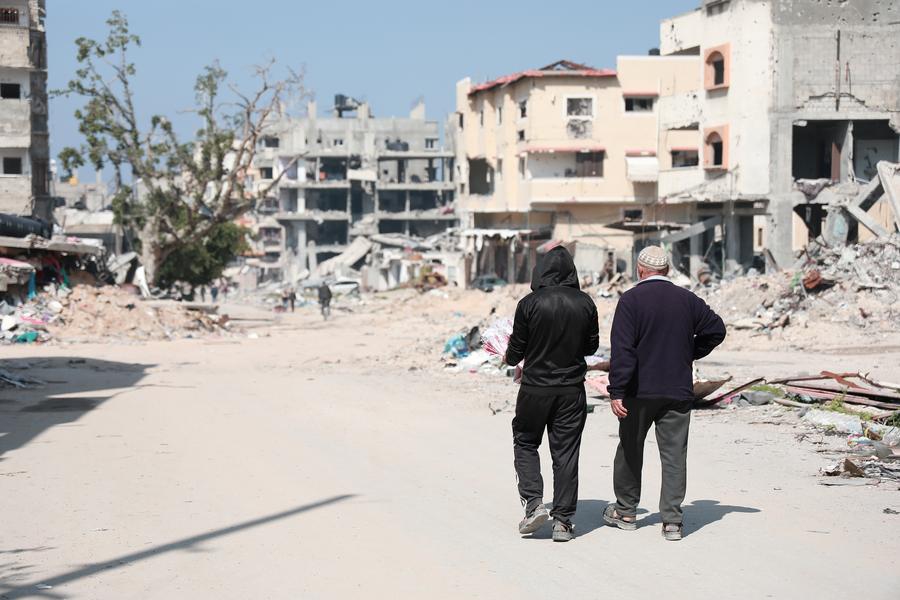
[(389, 53)]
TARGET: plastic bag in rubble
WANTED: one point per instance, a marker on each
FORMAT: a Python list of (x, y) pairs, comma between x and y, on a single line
[(495, 339)]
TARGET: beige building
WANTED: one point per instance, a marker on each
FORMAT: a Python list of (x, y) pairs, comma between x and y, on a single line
[(565, 152)]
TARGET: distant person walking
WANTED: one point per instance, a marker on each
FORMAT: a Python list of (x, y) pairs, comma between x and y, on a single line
[(214, 292), (292, 298), (658, 331), (325, 300), (554, 329)]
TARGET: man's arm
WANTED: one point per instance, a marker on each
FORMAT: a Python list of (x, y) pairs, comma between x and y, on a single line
[(518, 341), (623, 360), (592, 340), (709, 329)]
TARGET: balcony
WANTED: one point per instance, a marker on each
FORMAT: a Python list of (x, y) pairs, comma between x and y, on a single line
[(675, 183), (680, 111)]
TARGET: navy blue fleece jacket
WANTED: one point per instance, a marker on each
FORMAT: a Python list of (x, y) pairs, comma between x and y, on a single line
[(658, 331)]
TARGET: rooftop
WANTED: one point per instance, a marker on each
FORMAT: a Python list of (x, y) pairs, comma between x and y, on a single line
[(561, 68)]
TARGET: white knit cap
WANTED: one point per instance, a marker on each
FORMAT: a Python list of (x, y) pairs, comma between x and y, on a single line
[(653, 257)]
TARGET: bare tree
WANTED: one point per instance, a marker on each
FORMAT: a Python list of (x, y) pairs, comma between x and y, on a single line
[(173, 193)]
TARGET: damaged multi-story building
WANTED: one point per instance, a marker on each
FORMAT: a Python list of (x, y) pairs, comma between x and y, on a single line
[(708, 145), (347, 175), (566, 151), (24, 136), (790, 90)]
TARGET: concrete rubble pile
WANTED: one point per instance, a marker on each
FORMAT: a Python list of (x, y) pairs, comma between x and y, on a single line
[(858, 285), (95, 314)]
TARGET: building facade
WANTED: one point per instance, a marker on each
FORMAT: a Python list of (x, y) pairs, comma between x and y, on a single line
[(24, 137), (566, 152), (350, 175), (790, 90)]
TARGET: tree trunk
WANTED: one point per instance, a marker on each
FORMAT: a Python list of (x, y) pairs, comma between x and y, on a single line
[(151, 251)]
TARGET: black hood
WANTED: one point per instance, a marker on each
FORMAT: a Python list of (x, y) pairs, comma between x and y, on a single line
[(556, 268)]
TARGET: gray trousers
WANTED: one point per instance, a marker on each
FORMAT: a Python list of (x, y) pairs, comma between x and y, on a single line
[(672, 420)]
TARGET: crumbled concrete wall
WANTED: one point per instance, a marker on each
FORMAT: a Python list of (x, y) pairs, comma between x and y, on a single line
[(15, 195), (862, 66)]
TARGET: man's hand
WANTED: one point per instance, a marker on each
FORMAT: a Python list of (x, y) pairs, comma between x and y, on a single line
[(618, 408)]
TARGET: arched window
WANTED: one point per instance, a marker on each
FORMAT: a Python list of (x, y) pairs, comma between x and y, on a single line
[(717, 63), (716, 67), (715, 150)]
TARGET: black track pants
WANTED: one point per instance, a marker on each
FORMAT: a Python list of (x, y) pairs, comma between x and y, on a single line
[(563, 416)]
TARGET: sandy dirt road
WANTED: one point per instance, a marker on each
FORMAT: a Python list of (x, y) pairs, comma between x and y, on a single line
[(309, 464)]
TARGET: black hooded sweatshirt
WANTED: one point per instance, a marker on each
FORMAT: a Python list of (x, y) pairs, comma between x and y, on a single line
[(555, 328)]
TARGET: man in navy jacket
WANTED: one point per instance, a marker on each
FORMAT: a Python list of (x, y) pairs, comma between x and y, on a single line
[(658, 331)]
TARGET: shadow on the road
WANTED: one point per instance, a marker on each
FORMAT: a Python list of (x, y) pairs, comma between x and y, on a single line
[(26, 413), (700, 513), (190, 544)]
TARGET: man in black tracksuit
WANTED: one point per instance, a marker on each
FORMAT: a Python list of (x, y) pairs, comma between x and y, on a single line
[(555, 328), (658, 331)]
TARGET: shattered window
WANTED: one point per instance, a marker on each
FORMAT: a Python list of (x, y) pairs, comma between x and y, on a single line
[(9, 15), (431, 143), (270, 142), (266, 173), (580, 107), (579, 128), (685, 158), (521, 135), (523, 109)]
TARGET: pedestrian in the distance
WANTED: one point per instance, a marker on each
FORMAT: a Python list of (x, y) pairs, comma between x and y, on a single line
[(325, 300), (292, 298), (214, 292), (554, 329), (658, 331)]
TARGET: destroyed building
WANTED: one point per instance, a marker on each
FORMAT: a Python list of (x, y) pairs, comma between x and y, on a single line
[(348, 175), (789, 91), (756, 124), (24, 137), (566, 151)]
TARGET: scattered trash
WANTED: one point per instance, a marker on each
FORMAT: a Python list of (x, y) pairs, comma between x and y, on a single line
[(833, 421)]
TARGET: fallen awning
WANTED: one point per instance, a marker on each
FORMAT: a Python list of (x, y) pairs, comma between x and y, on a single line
[(642, 168)]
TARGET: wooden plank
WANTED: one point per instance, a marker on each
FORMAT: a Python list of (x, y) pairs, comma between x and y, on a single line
[(719, 398)]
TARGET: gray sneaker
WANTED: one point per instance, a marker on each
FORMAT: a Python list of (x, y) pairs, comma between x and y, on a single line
[(563, 532), (672, 531), (534, 521)]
